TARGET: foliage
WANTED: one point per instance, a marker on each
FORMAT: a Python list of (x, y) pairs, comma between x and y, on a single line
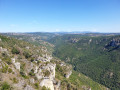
[(10, 70), (5, 86), (44, 88), (15, 80), (90, 56), (46, 73), (27, 54), (22, 71), (15, 51), (76, 82), (36, 85), (7, 60), (31, 73), (4, 69)]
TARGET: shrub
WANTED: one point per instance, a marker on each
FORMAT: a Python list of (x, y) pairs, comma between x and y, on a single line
[(15, 51), (31, 73), (10, 70), (32, 59), (4, 69), (46, 73), (23, 75), (15, 80), (4, 54), (36, 85), (5, 86), (38, 62), (44, 88), (7, 60), (27, 54)]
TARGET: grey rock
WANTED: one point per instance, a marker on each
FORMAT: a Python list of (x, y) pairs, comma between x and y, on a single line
[(28, 87)]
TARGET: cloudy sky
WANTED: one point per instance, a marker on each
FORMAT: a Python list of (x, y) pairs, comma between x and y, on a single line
[(59, 15)]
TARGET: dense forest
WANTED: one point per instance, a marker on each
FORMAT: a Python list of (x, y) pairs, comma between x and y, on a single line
[(95, 56)]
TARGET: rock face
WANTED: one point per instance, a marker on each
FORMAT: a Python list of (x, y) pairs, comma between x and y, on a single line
[(57, 85), (47, 73), (113, 43), (39, 71), (45, 58), (17, 64), (47, 83), (13, 60), (68, 74)]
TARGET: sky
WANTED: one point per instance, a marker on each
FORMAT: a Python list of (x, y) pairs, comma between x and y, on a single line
[(59, 15)]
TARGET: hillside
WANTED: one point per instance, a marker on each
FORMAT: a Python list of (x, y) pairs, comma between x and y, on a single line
[(98, 57), (24, 66)]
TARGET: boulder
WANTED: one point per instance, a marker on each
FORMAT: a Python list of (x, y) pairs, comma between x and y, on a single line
[(13, 60), (17, 65), (36, 69)]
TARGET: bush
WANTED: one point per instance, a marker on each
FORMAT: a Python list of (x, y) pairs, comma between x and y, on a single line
[(44, 88), (15, 80), (22, 71), (32, 59), (27, 55), (5, 86), (23, 75), (15, 51), (7, 60), (4, 69), (4, 54), (10, 70), (36, 85), (38, 62), (31, 73), (46, 73)]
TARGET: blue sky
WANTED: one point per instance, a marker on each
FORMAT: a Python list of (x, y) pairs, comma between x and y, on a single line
[(59, 15)]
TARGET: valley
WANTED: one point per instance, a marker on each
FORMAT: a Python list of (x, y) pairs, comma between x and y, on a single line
[(94, 55), (27, 66)]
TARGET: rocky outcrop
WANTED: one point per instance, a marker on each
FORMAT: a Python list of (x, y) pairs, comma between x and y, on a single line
[(16, 64), (67, 75), (42, 70), (44, 58), (57, 85), (47, 83)]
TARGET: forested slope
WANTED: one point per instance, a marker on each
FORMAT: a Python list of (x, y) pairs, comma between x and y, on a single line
[(95, 56)]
